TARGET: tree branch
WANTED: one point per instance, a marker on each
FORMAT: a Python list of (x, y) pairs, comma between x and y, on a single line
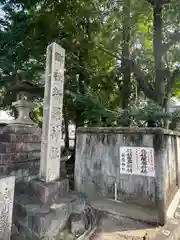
[(143, 82), (108, 52), (173, 77), (174, 38), (138, 73)]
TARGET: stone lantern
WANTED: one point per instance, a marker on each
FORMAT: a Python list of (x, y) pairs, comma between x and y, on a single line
[(24, 107), (22, 136), (25, 92), (24, 103)]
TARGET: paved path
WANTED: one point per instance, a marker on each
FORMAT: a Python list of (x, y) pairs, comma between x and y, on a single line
[(121, 221), (121, 229)]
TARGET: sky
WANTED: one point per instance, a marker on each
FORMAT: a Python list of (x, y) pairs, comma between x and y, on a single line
[(5, 117)]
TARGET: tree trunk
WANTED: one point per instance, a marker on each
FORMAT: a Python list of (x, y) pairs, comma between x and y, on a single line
[(158, 51), (126, 69)]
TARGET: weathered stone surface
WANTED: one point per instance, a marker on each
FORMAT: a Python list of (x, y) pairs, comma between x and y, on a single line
[(24, 129), (49, 192), (22, 170), (77, 224), (97, 166), (14, 230), (20, 151), (52, 121), (39, 220), (6, 206), (65, 236)]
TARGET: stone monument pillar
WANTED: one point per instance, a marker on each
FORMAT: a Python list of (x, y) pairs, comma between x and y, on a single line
[(52, 120), (50, 185)]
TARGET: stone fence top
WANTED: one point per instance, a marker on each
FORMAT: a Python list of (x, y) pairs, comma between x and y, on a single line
[(117, 130)]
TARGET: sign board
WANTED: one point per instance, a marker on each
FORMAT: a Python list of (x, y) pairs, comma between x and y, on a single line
[(137, 161)]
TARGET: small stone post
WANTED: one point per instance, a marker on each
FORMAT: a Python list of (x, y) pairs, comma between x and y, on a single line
[(6, 206)]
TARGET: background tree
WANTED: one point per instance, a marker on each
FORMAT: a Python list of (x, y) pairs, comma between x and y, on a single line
[(122, 52)]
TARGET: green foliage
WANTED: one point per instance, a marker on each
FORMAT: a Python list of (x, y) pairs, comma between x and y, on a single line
[(175, 120), (98, 112), (93, 34), (97, 107)]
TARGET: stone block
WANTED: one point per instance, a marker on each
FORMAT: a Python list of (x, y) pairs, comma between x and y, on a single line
[(6, 206), (21, 170), (49, 192), (21, 128), (20, 157), (3, 147), (25, 138), (41, 220), (77, 224), (32, 214), (65, 236), (21, 147), (5, 137)]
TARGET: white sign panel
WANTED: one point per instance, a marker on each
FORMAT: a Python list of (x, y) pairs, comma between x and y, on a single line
[(137, 161)]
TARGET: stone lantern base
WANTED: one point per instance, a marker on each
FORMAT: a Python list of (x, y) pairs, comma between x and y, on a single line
[(24, 108), (21, 144)]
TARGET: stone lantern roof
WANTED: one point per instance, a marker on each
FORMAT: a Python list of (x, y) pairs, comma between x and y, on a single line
[(25, 91), (23, 86)]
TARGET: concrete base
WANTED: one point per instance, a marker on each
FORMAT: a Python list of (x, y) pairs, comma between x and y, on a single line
[(35, 213), (43, 211), (38, 221), (48, 193)]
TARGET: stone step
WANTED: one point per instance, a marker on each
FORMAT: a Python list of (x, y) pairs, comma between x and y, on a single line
[(46, 193), (49, 192), (39, 220)]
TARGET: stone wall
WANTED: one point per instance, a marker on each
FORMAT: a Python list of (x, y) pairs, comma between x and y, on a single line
[(97, 167), (20, 151)]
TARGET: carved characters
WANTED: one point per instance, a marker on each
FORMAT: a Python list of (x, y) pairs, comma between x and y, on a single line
[(55, 134), (6, 206), (137, 160), (58, 76), (57, 95), (123, 163), (143, 161), (129, 160), (57, 115)]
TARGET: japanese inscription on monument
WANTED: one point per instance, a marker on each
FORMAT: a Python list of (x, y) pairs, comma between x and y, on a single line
[(6, 206), (137, 160), (53, 101)]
